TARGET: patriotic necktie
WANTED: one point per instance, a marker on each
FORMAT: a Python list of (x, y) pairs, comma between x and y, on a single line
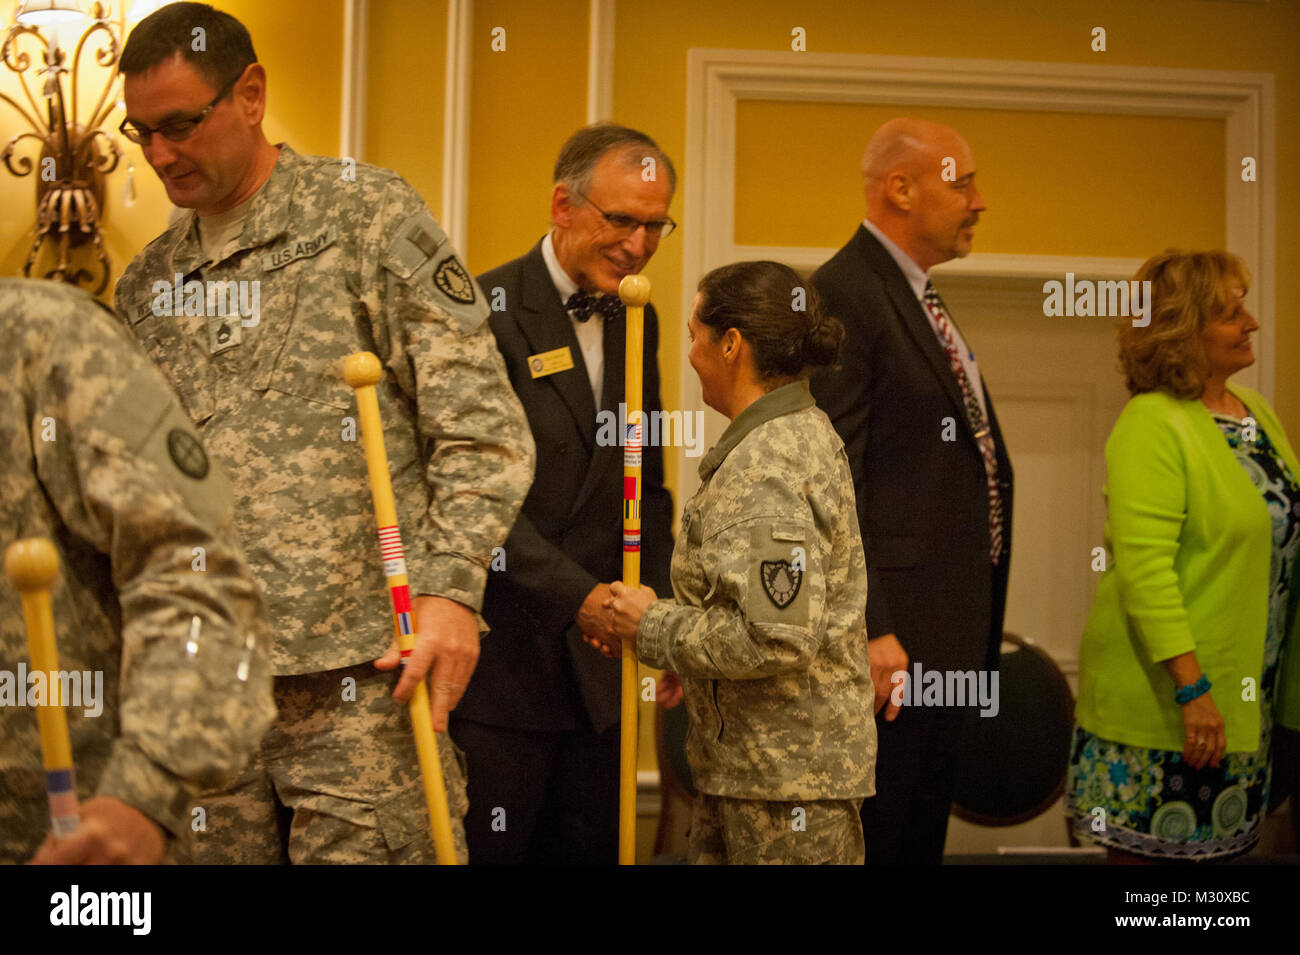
[(974, 414), (584, 305)]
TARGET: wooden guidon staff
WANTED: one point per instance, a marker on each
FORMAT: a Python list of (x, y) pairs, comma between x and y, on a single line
[(32, 564), (634, 291), (362, 371)]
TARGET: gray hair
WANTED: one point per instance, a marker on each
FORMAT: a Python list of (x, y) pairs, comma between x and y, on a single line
[(584, 149)]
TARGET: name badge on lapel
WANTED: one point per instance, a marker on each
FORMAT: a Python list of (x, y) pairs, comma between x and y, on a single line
[(549, 362)]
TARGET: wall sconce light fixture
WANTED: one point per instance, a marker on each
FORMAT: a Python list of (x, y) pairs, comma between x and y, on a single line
[(75, 155)]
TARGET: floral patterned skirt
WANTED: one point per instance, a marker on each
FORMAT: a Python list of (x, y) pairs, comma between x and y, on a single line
[(1150, 802)]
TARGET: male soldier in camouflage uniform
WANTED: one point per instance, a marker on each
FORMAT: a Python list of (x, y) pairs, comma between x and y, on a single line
[(153, 596), (325, 258), (768, 630)]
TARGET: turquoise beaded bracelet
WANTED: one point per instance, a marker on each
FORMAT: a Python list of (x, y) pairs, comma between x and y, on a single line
[(1185, 694)]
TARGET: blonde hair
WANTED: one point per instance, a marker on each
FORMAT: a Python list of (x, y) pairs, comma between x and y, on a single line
[(1188, 289)]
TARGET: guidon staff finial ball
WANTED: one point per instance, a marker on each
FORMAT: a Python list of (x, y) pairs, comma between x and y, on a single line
[(31, 563), (634, 290), (362, 368)]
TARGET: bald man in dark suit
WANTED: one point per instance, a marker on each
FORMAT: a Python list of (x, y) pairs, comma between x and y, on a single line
[(932, 475)]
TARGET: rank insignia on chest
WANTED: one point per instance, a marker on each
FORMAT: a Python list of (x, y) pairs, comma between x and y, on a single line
[(781, 582), (454, 282), (224, 333)]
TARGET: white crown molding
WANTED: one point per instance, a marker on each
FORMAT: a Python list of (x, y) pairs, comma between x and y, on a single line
[(977, 264), (352, 109), (600, 60), (717, 80), (1038, 267), (455, 124)]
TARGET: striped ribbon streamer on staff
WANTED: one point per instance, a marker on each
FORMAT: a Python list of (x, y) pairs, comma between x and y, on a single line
[(390, 551)]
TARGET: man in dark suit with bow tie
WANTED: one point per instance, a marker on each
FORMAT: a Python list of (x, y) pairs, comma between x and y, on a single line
[(539, 722), (933, 480)]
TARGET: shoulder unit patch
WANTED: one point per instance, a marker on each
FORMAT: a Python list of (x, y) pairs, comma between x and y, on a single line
[(781, 582), (454, 282), (187, 454)]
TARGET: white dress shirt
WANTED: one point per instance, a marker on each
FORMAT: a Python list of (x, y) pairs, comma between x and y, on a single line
[(591, 333), (917, 279)]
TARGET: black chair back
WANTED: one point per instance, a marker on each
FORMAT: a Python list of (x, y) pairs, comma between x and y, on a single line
[(1012, 766)]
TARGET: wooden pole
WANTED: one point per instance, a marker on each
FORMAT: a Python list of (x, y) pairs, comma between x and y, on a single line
[(32, 564), (634, 291), (362, 371)]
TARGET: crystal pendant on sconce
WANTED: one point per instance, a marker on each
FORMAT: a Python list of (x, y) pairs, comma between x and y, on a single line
[(128, 190)]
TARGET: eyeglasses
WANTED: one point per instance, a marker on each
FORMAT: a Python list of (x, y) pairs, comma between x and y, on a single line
[(176, 131), (626, 226)]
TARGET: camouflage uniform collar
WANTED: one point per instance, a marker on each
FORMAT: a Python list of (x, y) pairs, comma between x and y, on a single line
[(785, 400), (266, 220)]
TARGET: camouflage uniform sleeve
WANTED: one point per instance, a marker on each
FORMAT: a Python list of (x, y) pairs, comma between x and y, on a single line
[(430, 327), (763, 566), (127, 473), (120, 291)]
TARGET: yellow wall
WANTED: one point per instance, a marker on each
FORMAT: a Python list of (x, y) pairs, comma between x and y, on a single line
[(525, 101), (407, 39), (293, 39), (1113, 183), (300, 42)]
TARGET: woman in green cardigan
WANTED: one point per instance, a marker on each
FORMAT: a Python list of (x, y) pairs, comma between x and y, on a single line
[(1179, 664)]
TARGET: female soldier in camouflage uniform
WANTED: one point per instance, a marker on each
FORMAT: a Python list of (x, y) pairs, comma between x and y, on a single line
[(767, 629)]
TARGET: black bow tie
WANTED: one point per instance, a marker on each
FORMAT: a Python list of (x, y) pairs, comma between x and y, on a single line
[(583, 306)]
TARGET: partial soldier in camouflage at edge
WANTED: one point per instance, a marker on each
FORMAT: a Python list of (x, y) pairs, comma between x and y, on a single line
[(324, 258), (152, 596), (768, 629)]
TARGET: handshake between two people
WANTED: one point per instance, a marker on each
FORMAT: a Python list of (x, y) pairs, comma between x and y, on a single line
[(609, 617), (611, 614)]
